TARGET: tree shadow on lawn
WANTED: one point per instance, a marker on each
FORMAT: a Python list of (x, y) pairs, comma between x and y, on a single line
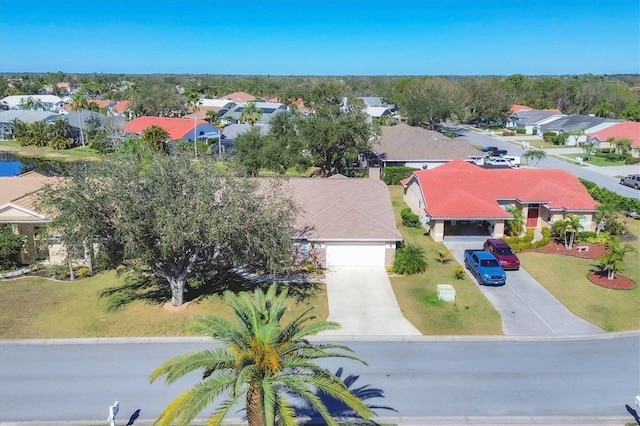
[(153, 290)]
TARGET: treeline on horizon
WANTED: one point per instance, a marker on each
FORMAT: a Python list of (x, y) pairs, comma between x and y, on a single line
[(612, 96)]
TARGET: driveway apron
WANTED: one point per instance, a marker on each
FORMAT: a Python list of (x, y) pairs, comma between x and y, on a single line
[(526, 307), (362, 301)]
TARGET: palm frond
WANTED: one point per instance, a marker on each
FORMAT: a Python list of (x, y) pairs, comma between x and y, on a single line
[(181, 365)]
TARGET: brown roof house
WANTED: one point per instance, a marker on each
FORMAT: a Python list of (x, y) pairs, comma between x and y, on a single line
[(410, 146), (18, 207), (349, 221)]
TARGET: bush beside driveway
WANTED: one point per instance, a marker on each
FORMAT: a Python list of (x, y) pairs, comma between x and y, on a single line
[(471, 314)]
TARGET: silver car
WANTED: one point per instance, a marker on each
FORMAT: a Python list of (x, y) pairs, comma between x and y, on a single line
[(631, 180)]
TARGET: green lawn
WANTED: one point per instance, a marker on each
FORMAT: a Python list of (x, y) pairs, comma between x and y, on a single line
[(471, 314), (566, 278), (46, 153), (596, 161), (39, 308)]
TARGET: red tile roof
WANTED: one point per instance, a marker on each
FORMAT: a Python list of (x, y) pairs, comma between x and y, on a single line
[(626, 129), (176, 127), (240, 97), (460, 189), (516, 108), (122, 106)]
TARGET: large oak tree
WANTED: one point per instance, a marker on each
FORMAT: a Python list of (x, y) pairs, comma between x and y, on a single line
[(176, 218)]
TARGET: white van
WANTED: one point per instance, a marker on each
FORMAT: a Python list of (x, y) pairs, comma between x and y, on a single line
[(513, 159)]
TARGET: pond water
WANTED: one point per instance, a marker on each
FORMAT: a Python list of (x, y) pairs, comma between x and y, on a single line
[(11, 165)]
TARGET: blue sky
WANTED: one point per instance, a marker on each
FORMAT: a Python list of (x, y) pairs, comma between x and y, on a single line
[(331, 37)]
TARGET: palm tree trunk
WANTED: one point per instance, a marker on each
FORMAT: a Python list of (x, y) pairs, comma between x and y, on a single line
[(255, 415)]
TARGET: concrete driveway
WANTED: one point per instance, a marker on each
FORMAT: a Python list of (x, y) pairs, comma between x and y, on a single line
[(526, 307), (362, 301)]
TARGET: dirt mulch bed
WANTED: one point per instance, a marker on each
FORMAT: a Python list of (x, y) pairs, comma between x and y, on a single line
[(594, 251), (618, 283)]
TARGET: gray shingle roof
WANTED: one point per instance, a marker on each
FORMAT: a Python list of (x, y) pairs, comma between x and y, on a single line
[(27, 116), (575, 122), (408, 143), (341, 208), (533, 116)]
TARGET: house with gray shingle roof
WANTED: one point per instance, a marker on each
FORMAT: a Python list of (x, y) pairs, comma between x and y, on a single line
[(8, 117), (412, 146), (577, 123), (533, 119), (19, 208), (268, 110), (349, 221)]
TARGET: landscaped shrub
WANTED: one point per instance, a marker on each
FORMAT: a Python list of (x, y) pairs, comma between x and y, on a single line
[(59, 143), (584, 236), (508, 133), (83, 272), (548, 136), (10, 246), (393, 175), (409, 218), (521, 130), (631, 160), (458, 273), (611, 199), (409, 260), (526, 242)]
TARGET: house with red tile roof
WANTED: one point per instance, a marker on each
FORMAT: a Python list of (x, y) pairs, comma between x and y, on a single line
[(178, 128), (461, 198), (626, 129), (515, 108), (240, 97)]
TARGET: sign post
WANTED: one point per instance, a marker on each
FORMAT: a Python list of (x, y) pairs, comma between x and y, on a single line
[(113, 412)]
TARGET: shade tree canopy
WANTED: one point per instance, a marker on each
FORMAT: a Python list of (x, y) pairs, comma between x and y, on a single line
[(176, 218)]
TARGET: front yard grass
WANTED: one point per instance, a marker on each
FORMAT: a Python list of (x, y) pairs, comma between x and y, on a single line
[(46, 153), (470, 314), (37, 308), (596, 161), (566, 278)]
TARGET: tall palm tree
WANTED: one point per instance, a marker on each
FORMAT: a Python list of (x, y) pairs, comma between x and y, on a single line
[(250, 114), (515, 226), (534, 154), (262, 362), (612, 260), (78, 103)]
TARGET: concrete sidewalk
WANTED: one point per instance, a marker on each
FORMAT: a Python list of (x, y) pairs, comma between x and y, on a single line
[(362, 301)]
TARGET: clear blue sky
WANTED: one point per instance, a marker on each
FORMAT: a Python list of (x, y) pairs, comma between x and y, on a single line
[(313, 37)]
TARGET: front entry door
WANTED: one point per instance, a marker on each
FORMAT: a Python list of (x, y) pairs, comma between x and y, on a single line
[(532, 217)]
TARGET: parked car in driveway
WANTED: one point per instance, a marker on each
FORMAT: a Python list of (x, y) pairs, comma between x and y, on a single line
[(485, 267), (503, 252), (631, 180), (497, 161)]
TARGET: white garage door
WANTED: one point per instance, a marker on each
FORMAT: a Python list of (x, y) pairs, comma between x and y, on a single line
[(350, 255)]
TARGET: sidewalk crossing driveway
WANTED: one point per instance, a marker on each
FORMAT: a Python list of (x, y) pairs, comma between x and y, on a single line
[(526, 307), (362, 301)]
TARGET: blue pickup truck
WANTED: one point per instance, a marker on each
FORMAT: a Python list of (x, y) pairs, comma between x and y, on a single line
[(485, 267)]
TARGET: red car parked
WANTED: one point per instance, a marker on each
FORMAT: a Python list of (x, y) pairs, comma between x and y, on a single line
[(502, 251)]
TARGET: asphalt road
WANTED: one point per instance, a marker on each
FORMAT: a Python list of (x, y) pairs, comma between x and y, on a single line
[(425, 380), (597, 175)]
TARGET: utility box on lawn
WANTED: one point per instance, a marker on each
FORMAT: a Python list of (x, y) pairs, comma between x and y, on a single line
[(446, 292)]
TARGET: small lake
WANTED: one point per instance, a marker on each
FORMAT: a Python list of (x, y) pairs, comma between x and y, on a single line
[(11, 165)]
